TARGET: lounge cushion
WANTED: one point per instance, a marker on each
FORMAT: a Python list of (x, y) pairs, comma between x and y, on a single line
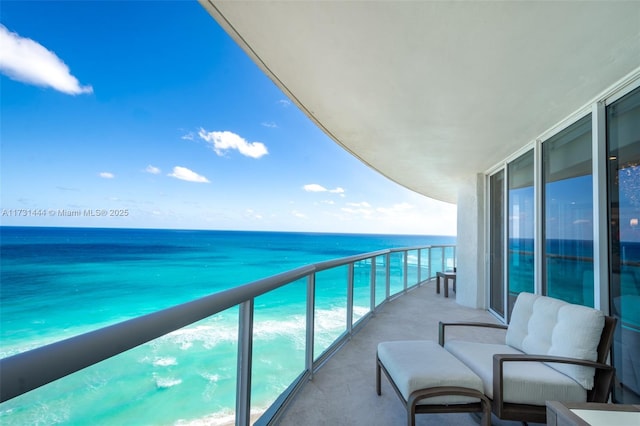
[(531, 324), (421, 364), (546, 326), (519, 321), (523, 382)]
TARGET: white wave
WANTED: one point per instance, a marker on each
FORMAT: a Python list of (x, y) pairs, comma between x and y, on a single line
[(277, 326), (206, 335), (222, 418), (266, 329), (210, 377), (360, 310), (328, 320), (167, 382), (165, 361)]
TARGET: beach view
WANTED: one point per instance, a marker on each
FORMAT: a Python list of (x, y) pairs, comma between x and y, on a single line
[(147, 162)]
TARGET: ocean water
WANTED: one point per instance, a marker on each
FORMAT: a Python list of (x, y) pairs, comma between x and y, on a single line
[(59, 282)]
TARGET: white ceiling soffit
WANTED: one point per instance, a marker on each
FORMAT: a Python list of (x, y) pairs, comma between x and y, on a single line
[(429, 93)]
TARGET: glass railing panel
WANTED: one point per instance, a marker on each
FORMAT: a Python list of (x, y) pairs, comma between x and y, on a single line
[(412, 267), (437, 254), (279, 333), (361, 288), (397, 273), (187, 375), (330, 308), (449, 258), (381, 279), (424, 264)]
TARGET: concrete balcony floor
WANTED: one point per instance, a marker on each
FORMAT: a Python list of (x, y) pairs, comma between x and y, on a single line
[(343, 391)]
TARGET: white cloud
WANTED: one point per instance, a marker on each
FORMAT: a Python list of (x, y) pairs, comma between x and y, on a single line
[(152, 169), (359, 209), (284, 102), (396, 209), (188, 137), (106, 175), (252, 214), (363, 204), (183, 173), (223, 141), (298, 214), (314, 187), (269, 124), (27, 61)]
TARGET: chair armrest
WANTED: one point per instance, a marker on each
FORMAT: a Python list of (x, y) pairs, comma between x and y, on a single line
[(442, 325), (500, 359)]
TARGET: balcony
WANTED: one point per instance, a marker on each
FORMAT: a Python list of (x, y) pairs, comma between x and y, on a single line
[(369, 292), (343, 391)]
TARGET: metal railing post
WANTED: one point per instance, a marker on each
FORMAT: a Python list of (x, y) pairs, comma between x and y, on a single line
[(443, 259), (311, 306), (455, 264), (405, 269), (372, 284), (350, 298), (429, 263), (419, 266), (388, 274), (243, 373)]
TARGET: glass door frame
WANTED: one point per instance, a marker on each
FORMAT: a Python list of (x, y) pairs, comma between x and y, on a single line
[(504, 225), (503, 167)]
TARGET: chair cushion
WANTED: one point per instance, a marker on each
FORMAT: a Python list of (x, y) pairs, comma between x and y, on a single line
[(422, 364), (547, 326), (523, 382), (519, 322)]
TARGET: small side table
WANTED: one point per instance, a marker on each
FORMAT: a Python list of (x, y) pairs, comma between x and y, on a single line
[(445, 277), (591, 414)]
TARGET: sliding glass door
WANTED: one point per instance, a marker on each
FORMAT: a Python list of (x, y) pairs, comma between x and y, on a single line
[(521, 196), (568, 215), (496, 243), (542, 226), (623, 137)]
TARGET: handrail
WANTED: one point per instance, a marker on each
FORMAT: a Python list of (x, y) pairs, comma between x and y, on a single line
[(333, 263), (29, 370), (25, 371)]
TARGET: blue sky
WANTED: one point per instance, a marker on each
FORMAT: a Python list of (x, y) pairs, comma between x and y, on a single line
[(149, 108)]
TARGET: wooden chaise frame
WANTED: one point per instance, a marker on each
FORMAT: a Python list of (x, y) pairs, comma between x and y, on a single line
[(603, 380)]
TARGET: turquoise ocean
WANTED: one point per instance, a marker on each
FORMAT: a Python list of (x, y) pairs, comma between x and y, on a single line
[(59, 282)]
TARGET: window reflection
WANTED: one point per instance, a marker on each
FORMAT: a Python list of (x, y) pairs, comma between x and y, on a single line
[(521, 227), (568, 215), (623, 128)]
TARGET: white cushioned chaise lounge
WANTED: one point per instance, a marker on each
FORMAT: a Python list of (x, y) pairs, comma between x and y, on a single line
[(553, 351)]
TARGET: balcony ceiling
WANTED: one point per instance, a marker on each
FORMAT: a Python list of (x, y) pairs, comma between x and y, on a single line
[(429, 93)]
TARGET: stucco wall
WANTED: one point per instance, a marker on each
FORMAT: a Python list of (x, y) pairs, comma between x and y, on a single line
[(470, 279)]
